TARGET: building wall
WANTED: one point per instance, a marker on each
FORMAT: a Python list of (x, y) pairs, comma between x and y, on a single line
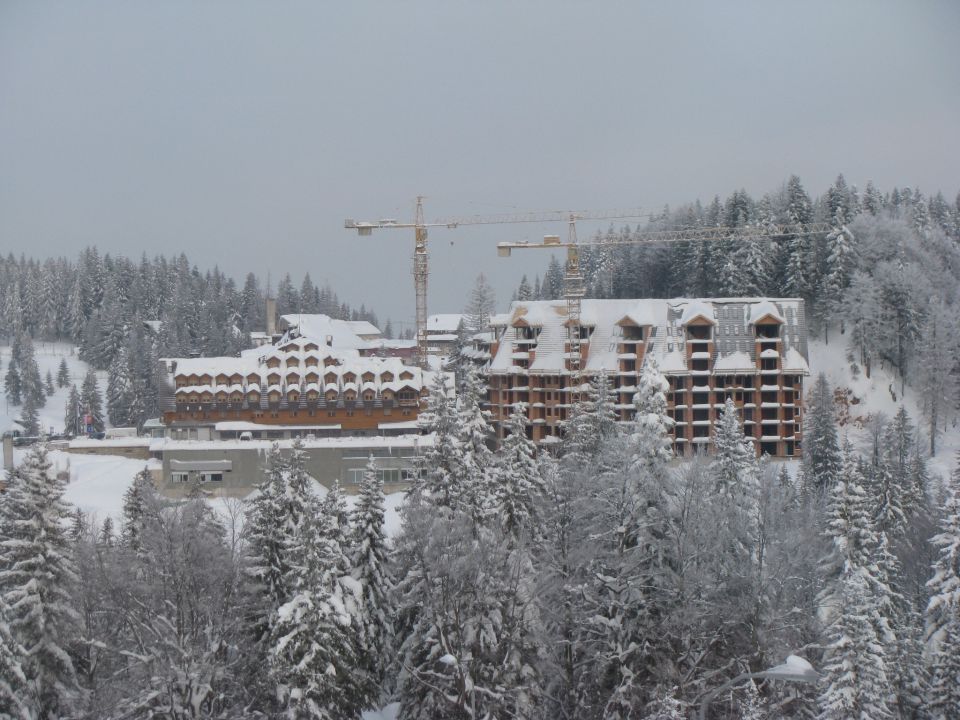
[(358, 416), (769, 397), (248, 465)]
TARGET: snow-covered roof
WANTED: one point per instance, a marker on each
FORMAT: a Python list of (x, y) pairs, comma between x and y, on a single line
[(733, 338), (695, 309), (733, 362), (444, 323), (763, 309), (793, 361), (342, 334), (290, 357)]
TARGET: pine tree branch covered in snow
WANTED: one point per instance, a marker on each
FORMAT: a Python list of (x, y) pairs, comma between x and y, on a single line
[(37, 577)]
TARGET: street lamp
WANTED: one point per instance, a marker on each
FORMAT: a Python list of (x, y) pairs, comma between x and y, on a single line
[(795, 669)]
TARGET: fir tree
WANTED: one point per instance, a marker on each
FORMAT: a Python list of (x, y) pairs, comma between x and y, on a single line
[(651, 421), (71, 420), (14, 387), (136, 503), (943, 694), (519, 485), (37, 576), (821, 447), (855, 668), (441, 478), (120, 390), (31, 382), (371, 570), (13, 683), (312, 657), (28, 418), (480, 306), (48, 385), (944, 606), (593, 420), (90, 399), (474, 466), (269, 526)]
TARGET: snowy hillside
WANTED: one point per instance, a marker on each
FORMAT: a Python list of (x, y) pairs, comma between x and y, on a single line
[(48, 355), (866, 398)]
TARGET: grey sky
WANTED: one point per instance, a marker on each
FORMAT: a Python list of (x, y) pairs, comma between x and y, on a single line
[(243, 133)]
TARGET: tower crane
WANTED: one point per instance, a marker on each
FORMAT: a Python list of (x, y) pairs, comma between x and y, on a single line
[(420, 255), (573, 283)]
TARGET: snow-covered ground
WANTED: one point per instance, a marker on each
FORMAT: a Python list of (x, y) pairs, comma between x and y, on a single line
[(878, 394), (48, 358)]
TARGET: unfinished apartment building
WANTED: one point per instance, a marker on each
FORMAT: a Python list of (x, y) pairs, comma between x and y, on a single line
[(753, 350)]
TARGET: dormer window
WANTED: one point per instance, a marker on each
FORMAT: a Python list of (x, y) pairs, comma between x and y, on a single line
[(525, 332), (699, 332), (632, 333)]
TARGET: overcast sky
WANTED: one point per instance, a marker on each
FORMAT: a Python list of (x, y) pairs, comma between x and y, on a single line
[(243, 133)]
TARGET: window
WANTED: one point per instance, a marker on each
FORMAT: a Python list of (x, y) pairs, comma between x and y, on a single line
[(355, 476), (211, 477), (180, 477)]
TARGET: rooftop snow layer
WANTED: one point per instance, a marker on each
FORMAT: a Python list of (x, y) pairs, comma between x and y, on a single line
[(665, 342)]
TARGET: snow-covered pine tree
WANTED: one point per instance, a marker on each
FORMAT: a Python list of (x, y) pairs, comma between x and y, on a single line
[(651, 421), (12, 383), (944, 606), (634, 568), (71, 423), (856, 603), (63, 374), (48, 386), (137, 501), (370, 567), (312, 659), (524, 291), (855, 682), (735, 469), (30, 379), (119, 389), (943, 692), (90, 399), (13, 683), (841, 262), (29, 418), (440, 463), (269, 527), (474, 435), (593, 420), (518, 484), (938, 347), (37, 576), (820, 444), (480, 306)]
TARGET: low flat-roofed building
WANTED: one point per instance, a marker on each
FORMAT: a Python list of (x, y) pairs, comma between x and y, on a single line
[(233, 468)]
